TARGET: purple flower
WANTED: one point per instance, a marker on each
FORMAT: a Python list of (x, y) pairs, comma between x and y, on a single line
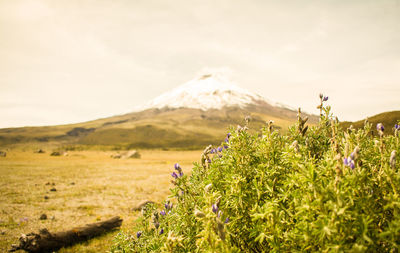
[(226, 146), (138, 234), (162, 212), (226, 220), (397, 127), (180, 173), (215, 208), (347, 161), (380, 127), (219, 149), (176, 166), (325, 98), (174, 175), (212, 151), (226, 139), (161, 231), (229, 135)]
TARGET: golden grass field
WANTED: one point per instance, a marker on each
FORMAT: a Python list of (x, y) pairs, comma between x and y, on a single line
[(90, 186)]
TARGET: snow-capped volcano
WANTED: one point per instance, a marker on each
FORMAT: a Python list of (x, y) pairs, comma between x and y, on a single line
[(210, 91)]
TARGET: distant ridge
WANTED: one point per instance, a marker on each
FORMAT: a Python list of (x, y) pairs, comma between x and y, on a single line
[(388, 119)]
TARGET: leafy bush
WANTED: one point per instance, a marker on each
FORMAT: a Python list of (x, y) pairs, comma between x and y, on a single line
[(315, 189)]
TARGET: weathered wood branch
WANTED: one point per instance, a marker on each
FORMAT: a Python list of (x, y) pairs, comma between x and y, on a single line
[(48, 242)]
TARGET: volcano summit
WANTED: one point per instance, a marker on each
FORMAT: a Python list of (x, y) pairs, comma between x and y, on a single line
[(210, 91)]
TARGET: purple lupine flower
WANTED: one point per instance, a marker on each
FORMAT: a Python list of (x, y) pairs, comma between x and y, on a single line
[(219, 149), (215, 208), (180, 173), (209, 160), (138, 234), (226, 146), (226, 139), (345, 161), (176, 166), (174, 175), (161, 231), (325, 99), (380, 127), (229, 135), (226, 220), (397, 127), (212, 151), (162, 212)]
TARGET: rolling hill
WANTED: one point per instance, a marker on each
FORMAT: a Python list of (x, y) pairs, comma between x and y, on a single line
[(388, 119), (195, 114)]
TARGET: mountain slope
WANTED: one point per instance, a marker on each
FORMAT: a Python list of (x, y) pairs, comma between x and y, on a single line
[(193, 115), (388, 119)]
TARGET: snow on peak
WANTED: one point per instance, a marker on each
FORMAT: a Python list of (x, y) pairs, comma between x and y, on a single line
[(208, 91)]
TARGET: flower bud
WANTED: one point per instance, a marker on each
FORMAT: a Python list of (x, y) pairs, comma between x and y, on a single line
[(295, 146), (208, 188), (354, 154), (214, 208), (221, 231), (199, 214), (393, 159)]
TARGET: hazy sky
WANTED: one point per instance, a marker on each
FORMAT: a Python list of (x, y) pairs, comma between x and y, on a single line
[(78, 60)]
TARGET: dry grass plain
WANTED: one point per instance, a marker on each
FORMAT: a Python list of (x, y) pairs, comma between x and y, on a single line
[(90, 186)]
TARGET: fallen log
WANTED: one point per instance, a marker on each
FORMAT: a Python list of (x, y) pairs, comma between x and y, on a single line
[(49, 242)]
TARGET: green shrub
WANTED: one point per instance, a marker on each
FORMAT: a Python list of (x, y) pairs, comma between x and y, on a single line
[(315, 189)]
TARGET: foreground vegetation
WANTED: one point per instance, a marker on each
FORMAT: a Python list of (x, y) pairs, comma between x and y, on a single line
[(89, 186), (315, 189)]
